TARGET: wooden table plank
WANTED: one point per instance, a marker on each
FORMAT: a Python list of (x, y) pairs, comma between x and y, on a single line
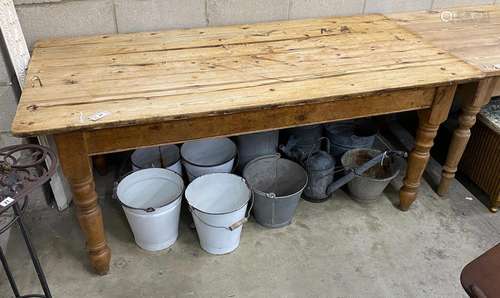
[(471, 33), (151, 77)]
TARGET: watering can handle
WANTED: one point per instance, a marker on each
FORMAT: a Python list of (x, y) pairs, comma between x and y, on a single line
[(328, 144), (315, 145)]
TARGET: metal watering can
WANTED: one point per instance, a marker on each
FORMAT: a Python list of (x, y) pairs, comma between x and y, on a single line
[(320, 167), (302, 141)]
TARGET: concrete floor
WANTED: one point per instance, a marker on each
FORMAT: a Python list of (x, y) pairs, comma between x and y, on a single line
[(336, 249)]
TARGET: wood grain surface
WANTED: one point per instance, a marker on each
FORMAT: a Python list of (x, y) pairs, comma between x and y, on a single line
[(470, 33), (152, 77)]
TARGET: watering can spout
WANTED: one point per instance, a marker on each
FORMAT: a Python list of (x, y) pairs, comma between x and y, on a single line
[(352, 173)]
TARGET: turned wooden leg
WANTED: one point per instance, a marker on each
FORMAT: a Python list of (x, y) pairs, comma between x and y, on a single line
[(470, 107), (429, 121), (77, 168)]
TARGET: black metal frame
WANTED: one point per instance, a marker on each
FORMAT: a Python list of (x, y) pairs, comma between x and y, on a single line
[(17, 180)]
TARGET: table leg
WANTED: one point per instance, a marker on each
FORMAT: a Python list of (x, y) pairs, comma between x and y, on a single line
[(429, 121), (471, 106), (77, 167)]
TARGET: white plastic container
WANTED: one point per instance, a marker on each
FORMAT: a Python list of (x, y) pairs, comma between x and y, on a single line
[(218, 203), (151, 200), (154, 157), (208, 156)]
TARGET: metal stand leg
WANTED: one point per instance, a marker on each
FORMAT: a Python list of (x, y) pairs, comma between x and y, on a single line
[(31, 249), (9, 274)]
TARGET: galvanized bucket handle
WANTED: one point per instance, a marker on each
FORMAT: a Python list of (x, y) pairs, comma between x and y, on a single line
[(276, 156), (233, 226)]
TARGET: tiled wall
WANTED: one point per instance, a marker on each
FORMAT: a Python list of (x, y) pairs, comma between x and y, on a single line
[(56, 18)]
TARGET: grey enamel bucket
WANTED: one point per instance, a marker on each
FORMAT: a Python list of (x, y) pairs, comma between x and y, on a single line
[(368, 187), (277, 184)]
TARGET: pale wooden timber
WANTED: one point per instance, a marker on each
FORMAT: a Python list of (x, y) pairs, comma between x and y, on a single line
[(481, 95), (473, 34), (77, 167), (429, 121), (150, 77), (470, 33), (165, 87), (98, 141)]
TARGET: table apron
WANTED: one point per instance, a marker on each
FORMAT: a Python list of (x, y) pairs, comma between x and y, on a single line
[(142, 135)]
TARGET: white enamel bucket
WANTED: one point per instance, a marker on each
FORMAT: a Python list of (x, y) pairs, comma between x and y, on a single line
[(218, 203), (154, 157), (208, 156), (151, 200)]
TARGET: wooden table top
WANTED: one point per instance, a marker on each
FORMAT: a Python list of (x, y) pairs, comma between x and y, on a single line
[(471, 33), (179, 74)]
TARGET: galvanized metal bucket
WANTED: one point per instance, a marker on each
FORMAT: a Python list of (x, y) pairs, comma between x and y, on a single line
[(277, 184), (347, 135), (368, 187), (256, 144)]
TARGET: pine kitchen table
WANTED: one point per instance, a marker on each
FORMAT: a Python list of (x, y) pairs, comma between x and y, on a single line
[(111, 93), (472, 34)]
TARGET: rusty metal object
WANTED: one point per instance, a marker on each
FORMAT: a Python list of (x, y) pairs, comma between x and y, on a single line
[(22, 169)]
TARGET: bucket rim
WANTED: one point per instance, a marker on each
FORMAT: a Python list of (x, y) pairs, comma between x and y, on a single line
[(233, 153), (209, 166), (269, 195), (273, 196), (221, 213), (164, 146), (330, 129), (392, 176), (152, 209)]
